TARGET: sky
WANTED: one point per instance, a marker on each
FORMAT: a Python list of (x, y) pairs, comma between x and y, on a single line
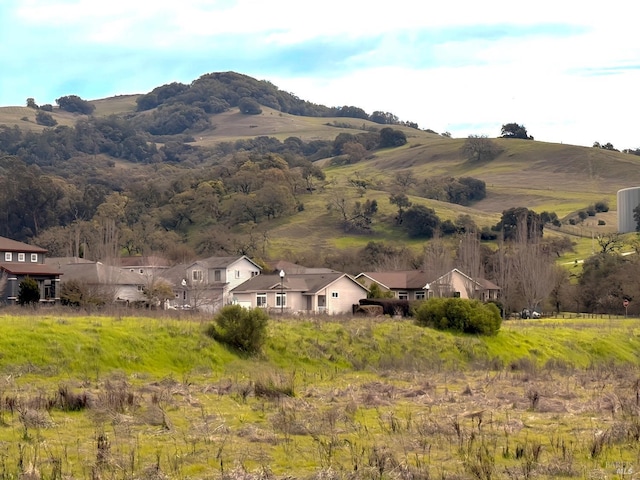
[(569, 71)]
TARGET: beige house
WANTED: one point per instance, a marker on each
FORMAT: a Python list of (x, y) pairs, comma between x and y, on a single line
[(420, 285), (331, 293)]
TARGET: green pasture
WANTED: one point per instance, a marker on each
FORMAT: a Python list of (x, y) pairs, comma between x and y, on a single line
[(154, 397)]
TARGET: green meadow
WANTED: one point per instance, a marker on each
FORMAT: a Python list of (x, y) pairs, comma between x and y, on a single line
[(129, 397)]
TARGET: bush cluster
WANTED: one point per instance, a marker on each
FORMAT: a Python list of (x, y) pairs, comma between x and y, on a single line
[(459, 315), (390, 306), (240, 328)]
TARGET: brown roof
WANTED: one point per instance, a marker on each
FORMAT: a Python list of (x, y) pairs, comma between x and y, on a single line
[(487, 284), (309, 283), (409, 279), (144, 261), (8, 245), (29, 269)]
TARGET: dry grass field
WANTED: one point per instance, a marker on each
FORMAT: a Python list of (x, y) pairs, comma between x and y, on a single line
[(121, 398)]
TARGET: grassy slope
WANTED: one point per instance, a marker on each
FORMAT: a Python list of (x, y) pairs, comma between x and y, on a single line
[(541, 176), (190, 409)]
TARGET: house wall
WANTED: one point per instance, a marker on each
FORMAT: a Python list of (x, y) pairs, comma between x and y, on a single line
[(349, 293), (237, 273)]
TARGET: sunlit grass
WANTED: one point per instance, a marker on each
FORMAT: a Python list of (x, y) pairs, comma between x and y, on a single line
[(384, 386)]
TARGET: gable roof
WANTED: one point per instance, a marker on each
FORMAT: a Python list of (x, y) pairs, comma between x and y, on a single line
[(223, 262), (294, 268), (306, 283), (409, 279), (97, 273), (419, 279), (8, 245), (175, 274), (144, 261), (29, 269)]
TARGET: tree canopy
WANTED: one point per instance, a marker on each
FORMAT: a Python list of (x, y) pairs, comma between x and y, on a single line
[(75, 104), (514, 130)]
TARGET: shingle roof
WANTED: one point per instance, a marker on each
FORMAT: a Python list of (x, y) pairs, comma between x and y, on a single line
[(8, 245), (175, 274), (409, 279), (309, 283), (29, 268), (294, 268), (144, 261), (221, 262), (100, 274)]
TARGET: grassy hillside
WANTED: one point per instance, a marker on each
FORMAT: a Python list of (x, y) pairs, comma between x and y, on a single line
[(124, 397), (534, 174)]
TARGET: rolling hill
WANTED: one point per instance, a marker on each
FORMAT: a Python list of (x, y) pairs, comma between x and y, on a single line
[(541, 176)]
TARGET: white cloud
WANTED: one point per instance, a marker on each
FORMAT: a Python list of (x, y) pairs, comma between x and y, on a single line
[(445, 65)]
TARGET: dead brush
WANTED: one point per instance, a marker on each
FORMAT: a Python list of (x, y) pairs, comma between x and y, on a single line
[(275, 386), (116, 396), (69, 401)]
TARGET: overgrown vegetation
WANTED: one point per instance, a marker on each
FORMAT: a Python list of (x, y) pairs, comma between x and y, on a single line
[(459, 315), (116, 397), (240, 328)]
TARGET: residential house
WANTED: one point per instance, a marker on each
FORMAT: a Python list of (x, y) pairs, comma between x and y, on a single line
[(205, 284), (419, 285), (113, 284), (331, 293), (151, 266), (290, 267), (20, 260), (405, 284)]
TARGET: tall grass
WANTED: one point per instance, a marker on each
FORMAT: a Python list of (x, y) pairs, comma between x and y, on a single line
[(329, 397)]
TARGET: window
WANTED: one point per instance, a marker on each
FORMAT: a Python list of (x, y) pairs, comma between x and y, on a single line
[(403, 296), (281, 299), (261, 300), (456, 294), (21, 257), (237, 272), (254, 273), (217, 276), (197, 275), (420, 295), (334, 294), (8, 256), (34, 257), (140, 288)]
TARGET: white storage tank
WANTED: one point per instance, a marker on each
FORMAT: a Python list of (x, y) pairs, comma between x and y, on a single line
[(628, 200)]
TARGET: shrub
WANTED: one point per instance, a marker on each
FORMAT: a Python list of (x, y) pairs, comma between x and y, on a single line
[(29, 292), (46, 119), (75, 104), (601, 206), (459, 315), (240, 328), (390, 306)]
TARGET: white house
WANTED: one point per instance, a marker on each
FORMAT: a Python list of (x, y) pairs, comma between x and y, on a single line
[(206, 283)]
